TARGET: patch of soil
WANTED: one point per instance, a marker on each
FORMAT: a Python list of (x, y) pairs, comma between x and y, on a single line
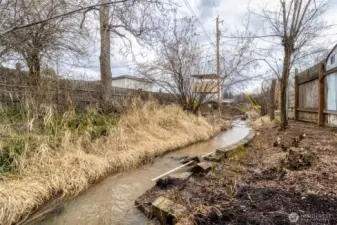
[(273, 206)]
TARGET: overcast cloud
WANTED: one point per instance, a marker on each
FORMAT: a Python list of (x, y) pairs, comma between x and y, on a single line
[(231, 12)]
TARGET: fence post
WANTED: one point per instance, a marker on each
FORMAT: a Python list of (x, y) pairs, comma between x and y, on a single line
[(297, 96), (272, 100), (321, 93)]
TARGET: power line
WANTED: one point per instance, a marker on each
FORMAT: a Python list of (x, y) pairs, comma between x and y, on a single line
[(215, 7), (213, 3), (203, 28)]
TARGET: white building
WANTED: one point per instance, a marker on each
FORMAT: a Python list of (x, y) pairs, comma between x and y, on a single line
[(206, 84), (331, 80), (331, 60), (132, 82)]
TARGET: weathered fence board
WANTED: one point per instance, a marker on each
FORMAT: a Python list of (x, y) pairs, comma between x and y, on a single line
[(316, 96), (308, 75), (80, 94), (308, 116), (308, 95)]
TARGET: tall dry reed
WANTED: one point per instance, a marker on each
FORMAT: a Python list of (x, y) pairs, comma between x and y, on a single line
[(74, 162)]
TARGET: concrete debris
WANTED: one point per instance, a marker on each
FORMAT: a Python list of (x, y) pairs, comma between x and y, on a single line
[(240, 144), (167, 211), (214, 157), (194, 158), (181, 176), (203, 167), (144, 207)]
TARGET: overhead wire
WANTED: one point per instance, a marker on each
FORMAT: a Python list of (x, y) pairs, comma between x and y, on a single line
[(201, 25)]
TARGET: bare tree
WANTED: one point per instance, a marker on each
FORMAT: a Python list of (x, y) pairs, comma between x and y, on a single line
[(272, 100), (129, 21), (105, 62), (184, 69), (19, 25), (297, 23), (178, 59), (35, 43)]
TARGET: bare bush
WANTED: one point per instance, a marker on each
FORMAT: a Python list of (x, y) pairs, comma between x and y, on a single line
[(37, 43)]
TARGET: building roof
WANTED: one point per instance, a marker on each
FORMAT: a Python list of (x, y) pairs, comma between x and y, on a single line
[(333, 49), (131, 78), (229, 100), (205, 76)]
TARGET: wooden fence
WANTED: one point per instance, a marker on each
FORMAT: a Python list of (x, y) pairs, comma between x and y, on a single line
[(81, 94), (315, 96)]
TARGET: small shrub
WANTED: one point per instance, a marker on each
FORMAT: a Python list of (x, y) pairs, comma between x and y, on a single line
[(99, 131), (277, 119), (11, 115), (9, 152)]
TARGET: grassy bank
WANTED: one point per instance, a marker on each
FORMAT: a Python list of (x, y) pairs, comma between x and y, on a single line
[(64, 155)]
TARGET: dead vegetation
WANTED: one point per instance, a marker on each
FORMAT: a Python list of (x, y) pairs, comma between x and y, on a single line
[(243, 188), (303, 178), (264, 122), (299, 159), (308, 168), (65, 162)]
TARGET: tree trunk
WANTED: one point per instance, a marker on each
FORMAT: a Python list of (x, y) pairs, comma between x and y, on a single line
[(272, 100), (284, 86), (105, 67), (34, 69)]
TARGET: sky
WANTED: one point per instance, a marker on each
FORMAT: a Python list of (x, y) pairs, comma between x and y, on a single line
[(231, 12)]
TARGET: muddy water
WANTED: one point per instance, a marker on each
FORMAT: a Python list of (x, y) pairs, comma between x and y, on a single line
[(112, 200)]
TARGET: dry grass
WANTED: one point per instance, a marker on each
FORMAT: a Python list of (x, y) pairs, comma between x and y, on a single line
[(264, 122), (253, 114), (141, 134)]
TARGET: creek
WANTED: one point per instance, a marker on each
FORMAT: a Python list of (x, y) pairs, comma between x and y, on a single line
[(112, 200)]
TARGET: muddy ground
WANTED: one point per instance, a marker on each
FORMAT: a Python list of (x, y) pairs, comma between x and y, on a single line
[(266, 181)]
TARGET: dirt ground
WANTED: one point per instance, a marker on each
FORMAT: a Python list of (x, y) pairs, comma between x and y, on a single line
[(266, 181)]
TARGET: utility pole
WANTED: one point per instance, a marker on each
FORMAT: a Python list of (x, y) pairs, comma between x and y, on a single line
[(218, 61)]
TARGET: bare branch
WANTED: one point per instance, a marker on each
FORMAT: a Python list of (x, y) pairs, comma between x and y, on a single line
[(90, 7)]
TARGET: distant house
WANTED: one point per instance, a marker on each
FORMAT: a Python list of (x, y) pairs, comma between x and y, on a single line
[(206, 84), (331, 62), (227, 97), (131, 82)]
